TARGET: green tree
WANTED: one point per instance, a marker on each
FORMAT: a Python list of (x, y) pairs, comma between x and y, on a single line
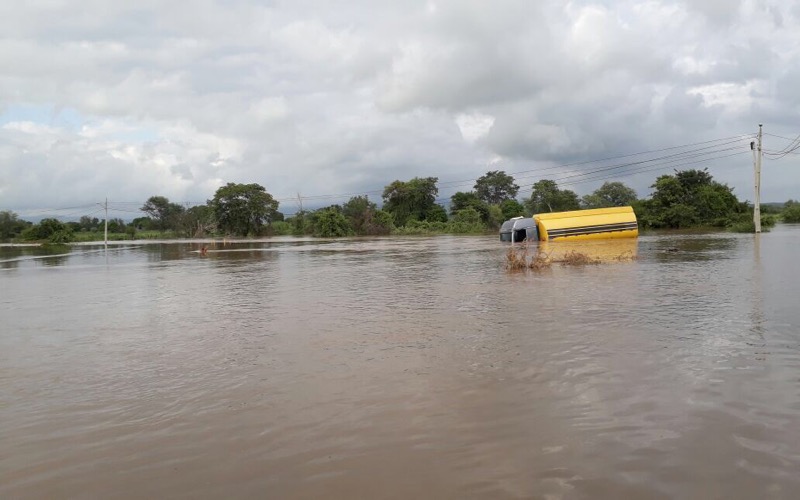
[(89, 224), (198, 221), (61, 236), (360, 212), (691, 198), (331, 223), (10, 225), (610, 194), (301, 223), (142, 223), (792, 212), (243, 209), (436, 213), (495, 216), (165, 214), (48, 229), (495, 187), (467, 216), (547, 197), (381, 223), (460, 201), (365, 218), (280, 228), (511, 208), (115, 225), (412, 200)]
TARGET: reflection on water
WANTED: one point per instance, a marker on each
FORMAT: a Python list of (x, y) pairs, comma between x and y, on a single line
[(613, 250), (401, 368), (46, 255)]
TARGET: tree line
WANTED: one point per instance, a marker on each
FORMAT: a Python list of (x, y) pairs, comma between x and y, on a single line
[(689, 198)]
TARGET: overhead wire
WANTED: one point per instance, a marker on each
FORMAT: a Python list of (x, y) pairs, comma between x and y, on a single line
[(794, 145), (653, 169), (668, 162), (732, 139), (663, 162), (604, 174), (531, 172), (706, 153), (535, 171), (449, 185)]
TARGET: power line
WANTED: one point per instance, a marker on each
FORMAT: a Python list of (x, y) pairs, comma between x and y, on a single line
[(532, 172), (669, 161), (657, 168), (730, 140), (669, 165), (709, 149), (604, 175), (794, 145), (780, 136), (663, 162), (676, 157), (454, 184)]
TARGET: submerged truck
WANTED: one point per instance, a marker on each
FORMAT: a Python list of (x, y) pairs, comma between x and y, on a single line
[(597, 223)]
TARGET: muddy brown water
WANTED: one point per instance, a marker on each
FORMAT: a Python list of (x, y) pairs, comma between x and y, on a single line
[(401, 368)]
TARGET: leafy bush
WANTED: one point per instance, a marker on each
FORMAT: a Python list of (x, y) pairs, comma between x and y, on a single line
[(45, 229), (381, 222), (690, 198), (511, 209), (417, 227), (436, 213), (61, 237), (331, 223), (11, 225), (456, 227), (746, 224), (281, 228), (452, 227), (83, 237), (792, 213), (467, 215)]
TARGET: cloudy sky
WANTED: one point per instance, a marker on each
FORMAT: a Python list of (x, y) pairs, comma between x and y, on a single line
[(127, 100)]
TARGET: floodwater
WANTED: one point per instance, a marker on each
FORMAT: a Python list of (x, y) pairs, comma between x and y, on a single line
[(401, 368)]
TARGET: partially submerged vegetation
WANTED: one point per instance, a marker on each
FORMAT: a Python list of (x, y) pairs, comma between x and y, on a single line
[(686, 199), (692, 198), (790, 212)]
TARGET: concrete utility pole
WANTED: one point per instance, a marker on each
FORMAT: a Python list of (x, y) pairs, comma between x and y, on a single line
[(105, 239), (757, 167)]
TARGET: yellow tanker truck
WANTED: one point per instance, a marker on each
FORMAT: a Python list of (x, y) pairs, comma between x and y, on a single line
[(592, 224)]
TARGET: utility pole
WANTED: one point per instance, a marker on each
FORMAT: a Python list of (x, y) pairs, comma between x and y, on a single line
[(105, 239), (757, 167)]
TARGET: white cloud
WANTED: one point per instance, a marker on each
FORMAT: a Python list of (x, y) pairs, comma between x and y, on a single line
[(735, 98), (474, 126), (32, 128)]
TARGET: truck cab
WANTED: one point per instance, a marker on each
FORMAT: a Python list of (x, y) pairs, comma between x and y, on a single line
[(519, 229)]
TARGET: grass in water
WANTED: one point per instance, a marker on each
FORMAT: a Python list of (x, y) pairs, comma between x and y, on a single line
[(517, 258), (575, 258)]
